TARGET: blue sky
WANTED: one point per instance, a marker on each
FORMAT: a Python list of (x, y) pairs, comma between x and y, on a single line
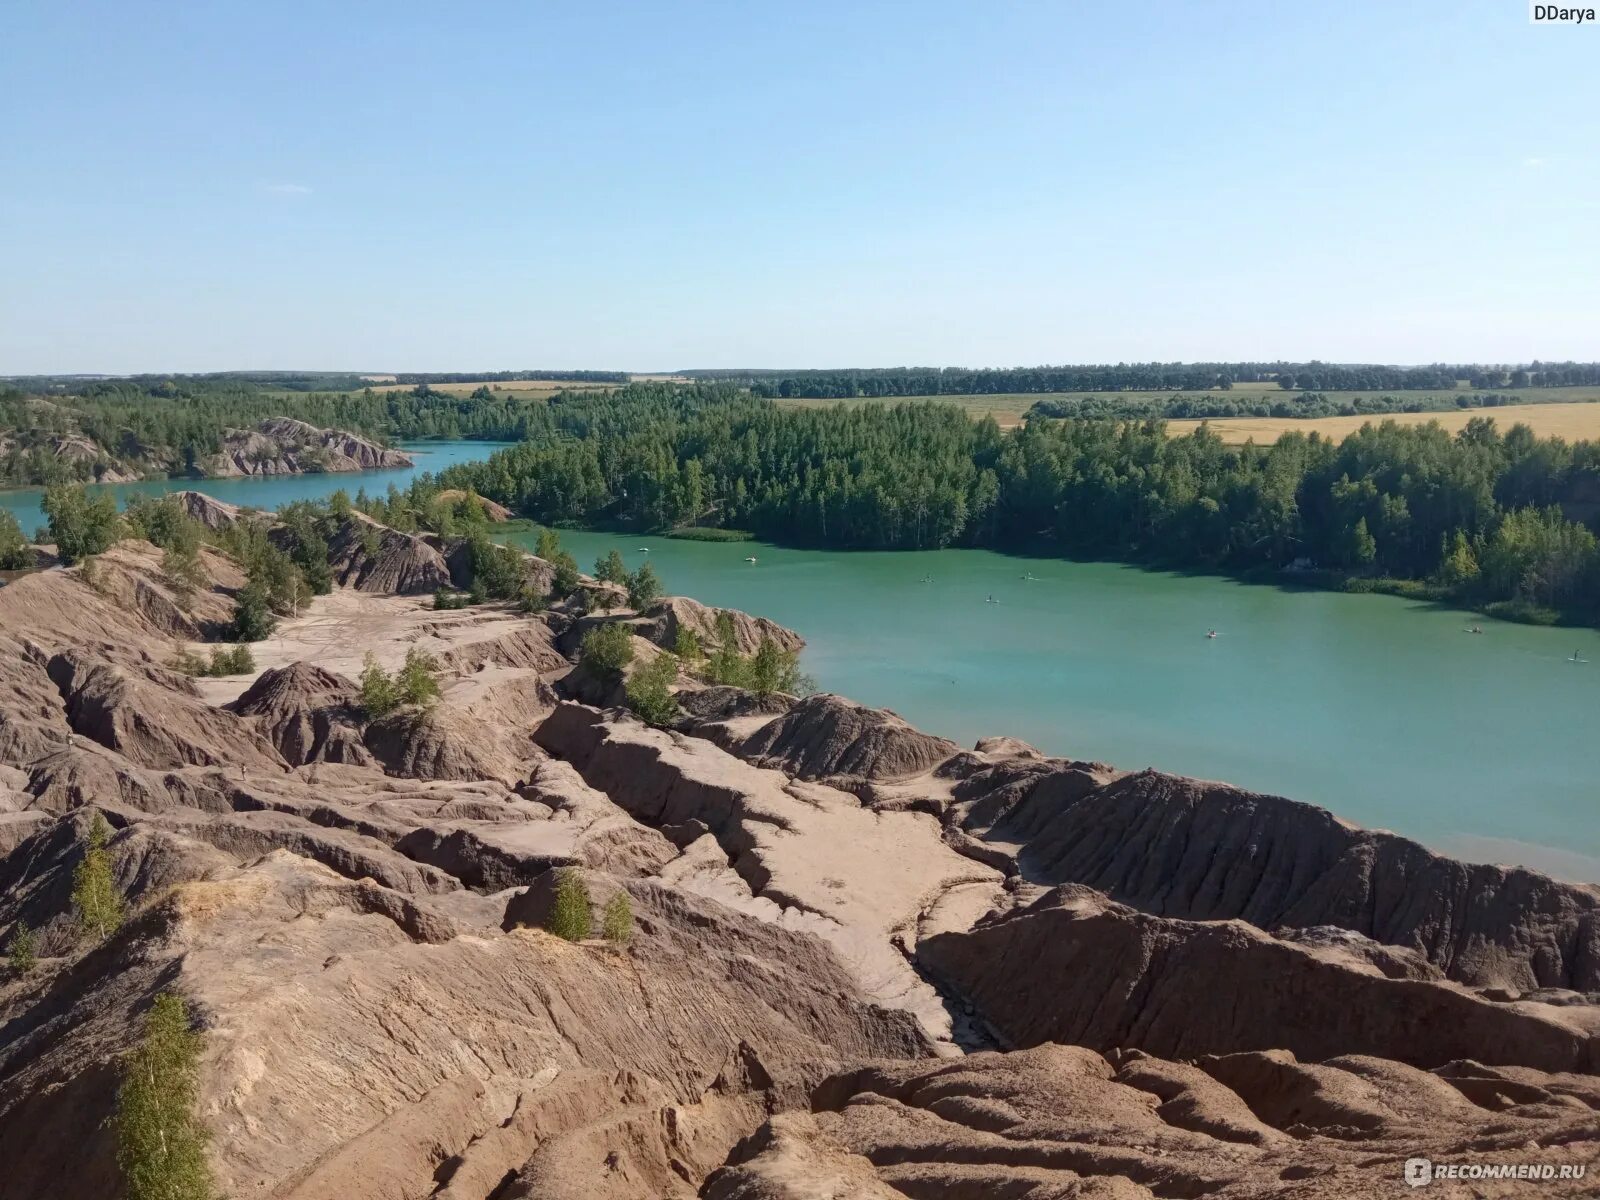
[(405, 186)]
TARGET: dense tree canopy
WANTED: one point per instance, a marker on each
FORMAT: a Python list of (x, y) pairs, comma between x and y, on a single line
[(1388, 501), (1145, 377)]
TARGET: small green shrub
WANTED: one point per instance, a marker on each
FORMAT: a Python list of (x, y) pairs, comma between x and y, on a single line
[(237, 661), (15, 554), (611, 568), (686, 645), (606, 649), (22, 953), (643, 588), (96, 903), (378, 693), (616, 922), (650, 690), (186, 661), (417, 681), (572, 915), (253, 618)]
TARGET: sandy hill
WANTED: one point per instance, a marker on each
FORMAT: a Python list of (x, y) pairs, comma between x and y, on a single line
[(865, 962)]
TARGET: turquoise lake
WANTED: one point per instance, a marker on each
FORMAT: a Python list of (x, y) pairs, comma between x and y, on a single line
[(270, 491), (1383, 710)]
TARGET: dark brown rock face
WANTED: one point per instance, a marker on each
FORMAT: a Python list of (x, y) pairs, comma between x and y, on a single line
[(149, 724), (309, 714), (1066, 1122), (440, 743), (829, 737), (1206, 851), (1076, 967), (374, 558)]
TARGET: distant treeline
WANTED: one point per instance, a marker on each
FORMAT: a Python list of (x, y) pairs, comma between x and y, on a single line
[(889, 382), (132, 425), (1305, 405), (513, 377), (1486, 517), (289, 381)]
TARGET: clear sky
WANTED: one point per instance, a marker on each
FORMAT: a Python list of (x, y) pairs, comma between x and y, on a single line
[(499, 185)]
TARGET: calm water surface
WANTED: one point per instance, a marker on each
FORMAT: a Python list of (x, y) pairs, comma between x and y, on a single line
[(1384, 710), (270, 491), (1378, 708)]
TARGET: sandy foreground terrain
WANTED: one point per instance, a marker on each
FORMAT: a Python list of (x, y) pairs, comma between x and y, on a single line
[(337, 631), (863, 962)]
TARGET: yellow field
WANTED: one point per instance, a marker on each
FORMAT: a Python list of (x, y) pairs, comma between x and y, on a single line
[(1578, 418), (1575, 422)]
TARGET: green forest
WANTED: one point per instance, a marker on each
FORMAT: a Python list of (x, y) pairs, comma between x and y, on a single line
[(183, 421), (1492, 518), (1146, 377), (1303, 405)]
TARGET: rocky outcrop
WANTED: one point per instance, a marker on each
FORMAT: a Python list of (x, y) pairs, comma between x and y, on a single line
[(150, 721), (284, 446), (1075, 967), (350, 908), (1064, 1121), (805, 855), (439, 742), (214, 514), (829, 737), (662, 620), (1206, 851), (122, 608), (370, 557), (313, 1089), (530, 646), (307, 713)]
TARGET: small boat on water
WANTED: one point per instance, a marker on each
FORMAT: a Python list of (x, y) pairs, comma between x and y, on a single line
[(1211, 633), (750, 558), (644, 549), (1576, 659), (991, 600)]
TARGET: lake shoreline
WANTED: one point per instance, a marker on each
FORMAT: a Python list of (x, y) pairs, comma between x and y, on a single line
[(1110, 662)]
